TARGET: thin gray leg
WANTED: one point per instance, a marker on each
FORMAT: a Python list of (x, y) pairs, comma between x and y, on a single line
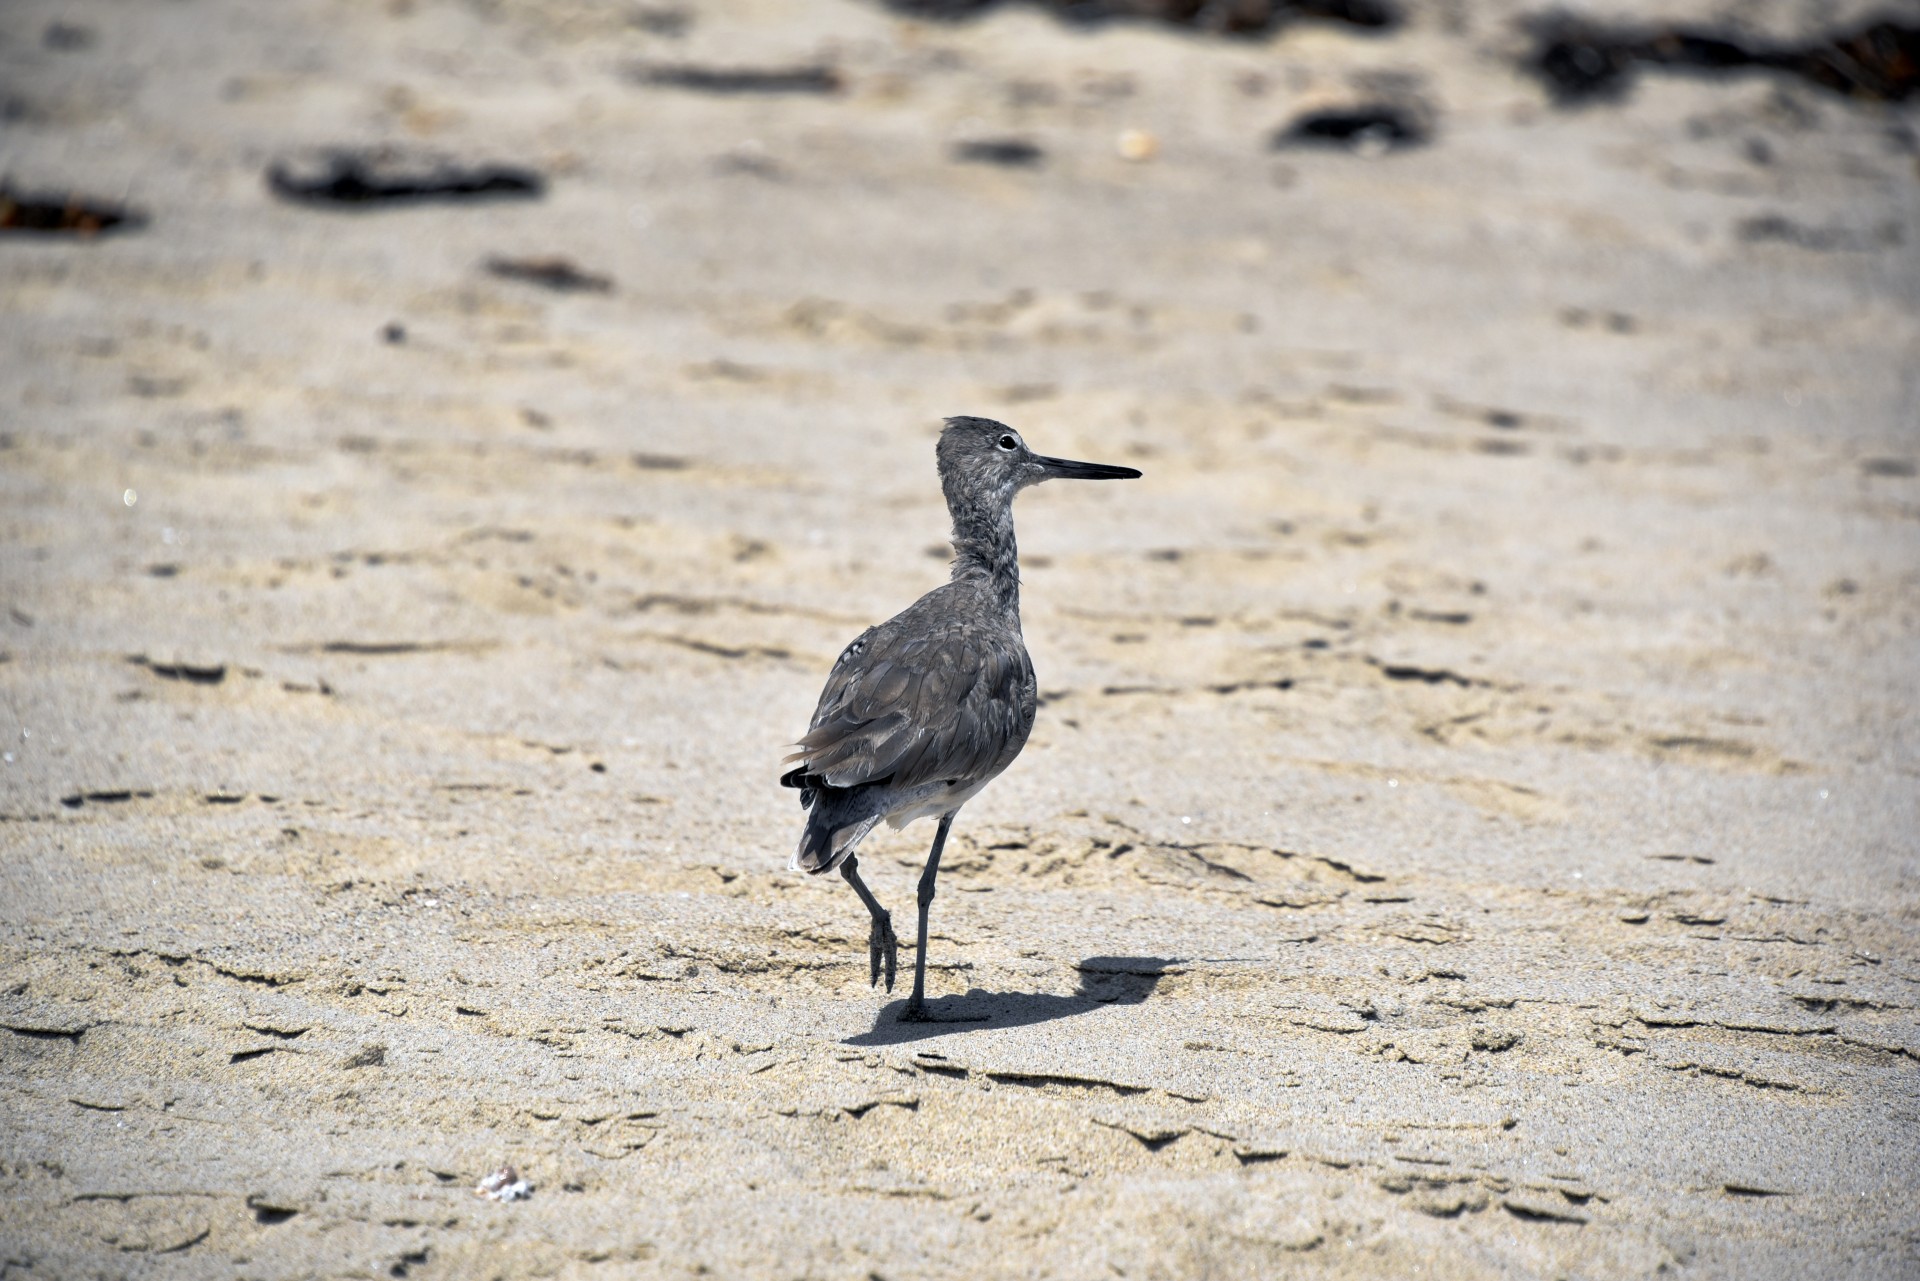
[(917, 1003), (881, 943)]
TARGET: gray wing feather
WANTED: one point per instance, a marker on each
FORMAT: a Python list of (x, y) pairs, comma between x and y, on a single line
[(916, 708)]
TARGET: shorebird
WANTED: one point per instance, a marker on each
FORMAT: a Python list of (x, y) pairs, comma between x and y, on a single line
[(927, 708)]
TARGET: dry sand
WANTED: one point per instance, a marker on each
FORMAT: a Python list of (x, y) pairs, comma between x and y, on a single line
[(1471, 826)]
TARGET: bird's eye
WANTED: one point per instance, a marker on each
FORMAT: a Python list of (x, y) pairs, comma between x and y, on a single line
[(1009, 444)]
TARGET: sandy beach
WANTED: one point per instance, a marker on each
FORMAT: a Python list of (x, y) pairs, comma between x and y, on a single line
[(1470, 828)]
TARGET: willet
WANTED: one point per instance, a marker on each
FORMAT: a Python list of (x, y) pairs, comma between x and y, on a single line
[(924, 710)]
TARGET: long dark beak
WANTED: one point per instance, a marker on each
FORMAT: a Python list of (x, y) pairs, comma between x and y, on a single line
[(1067, 469)]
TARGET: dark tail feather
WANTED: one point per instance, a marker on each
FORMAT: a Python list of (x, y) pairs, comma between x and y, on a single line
[(815, 854), (809, 787), (835, 824)]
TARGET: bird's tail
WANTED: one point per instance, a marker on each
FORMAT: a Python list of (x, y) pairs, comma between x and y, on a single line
[(833, 829)]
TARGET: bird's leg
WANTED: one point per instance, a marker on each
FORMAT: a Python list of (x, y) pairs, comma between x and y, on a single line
[(917, 1003), (881, 943)]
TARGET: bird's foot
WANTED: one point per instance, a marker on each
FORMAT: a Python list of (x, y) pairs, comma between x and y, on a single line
[(916, 1011), (883, 950)]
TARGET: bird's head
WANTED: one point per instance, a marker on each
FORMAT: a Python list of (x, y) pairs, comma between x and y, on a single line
[(983, 462)]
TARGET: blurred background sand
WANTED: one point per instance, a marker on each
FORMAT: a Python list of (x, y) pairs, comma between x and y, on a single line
[(1470, 826)]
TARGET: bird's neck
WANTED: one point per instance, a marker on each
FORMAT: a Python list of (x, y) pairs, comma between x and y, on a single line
[(984, 549)]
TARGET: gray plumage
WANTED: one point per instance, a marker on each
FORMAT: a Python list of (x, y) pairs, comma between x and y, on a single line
[(922, 711)]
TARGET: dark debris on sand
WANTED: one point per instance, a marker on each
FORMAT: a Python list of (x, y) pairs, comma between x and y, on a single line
[(376, 177), (558, 274), (1366, 128), (1244, 18), (810, 79), (1581, 61), (1011, 153), (72, 215)]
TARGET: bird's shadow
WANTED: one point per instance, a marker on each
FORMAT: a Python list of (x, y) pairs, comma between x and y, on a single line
[(1104, 980)]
